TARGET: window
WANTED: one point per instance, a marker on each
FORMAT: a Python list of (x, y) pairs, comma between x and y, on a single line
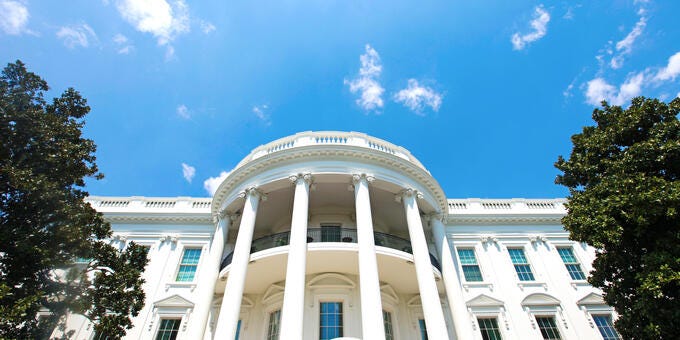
[(521, 264), (387, 321), (238, 330), (168, 329), (469, 263), (606, 327), (188, 265), (489, 328), (570, 261), (274, 325), (423, 329), (330, 233), (100, 336), (330, 325), (548, 327)]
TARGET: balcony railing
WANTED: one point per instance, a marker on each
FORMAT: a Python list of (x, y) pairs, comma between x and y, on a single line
[(329, 234)]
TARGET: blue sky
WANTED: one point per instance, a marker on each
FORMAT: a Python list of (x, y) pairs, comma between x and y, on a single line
[(485, 93)]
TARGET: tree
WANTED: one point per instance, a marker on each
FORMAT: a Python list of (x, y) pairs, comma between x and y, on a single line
[(623, 178), (45, 225)]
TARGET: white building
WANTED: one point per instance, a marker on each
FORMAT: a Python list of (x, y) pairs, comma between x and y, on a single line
[(324, 235)]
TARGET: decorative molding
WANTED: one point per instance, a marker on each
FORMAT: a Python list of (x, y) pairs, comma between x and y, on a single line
[(489, 239), (540, 299), (254, 191), (483, 300), (169, 238)]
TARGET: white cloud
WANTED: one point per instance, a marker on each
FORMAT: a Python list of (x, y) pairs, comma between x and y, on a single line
[(260, 113), (367, 83), (416, 97), (207, 27), (163, 20), (122, 44), (625, 46), (211, 184), (671, 71), (188, 172), (599, 89), (76, 35), (13, 17), (183, 112), (540, 26)]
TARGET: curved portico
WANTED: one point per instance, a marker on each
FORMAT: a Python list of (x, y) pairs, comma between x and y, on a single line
[(327, 202)]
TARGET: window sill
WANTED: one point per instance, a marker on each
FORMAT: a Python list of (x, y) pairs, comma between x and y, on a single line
[(579, 283), (481, 284), (190, 285), (524, 284)]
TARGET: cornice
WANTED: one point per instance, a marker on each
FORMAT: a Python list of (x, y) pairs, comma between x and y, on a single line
[(158, 218), (503, 219), (328, 152)]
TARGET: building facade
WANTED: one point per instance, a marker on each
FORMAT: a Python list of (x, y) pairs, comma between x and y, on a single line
[(325, 235)]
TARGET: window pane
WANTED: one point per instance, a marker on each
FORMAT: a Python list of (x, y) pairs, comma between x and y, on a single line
[(521, 264), (489, 328), (469, 264), (606, 327), (168, 328), (570, 261), (387, 320), (467, 256), (330, 325), (548, 328), (472, 273), (188, 265), (423, 329)]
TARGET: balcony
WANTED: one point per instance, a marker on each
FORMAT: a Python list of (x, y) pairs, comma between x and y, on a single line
[(330, 234)]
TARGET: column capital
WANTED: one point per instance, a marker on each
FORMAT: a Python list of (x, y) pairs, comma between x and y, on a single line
[(356, 178), (408, 192), (307, 177), (254, 191), (224, 215)]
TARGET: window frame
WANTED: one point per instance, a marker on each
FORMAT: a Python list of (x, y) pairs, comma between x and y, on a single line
[(180, 318), (551, 316), (461, 266), (184, 248), (268, 323), (578, 262), (485, 316), (526, 263), (609, 316)]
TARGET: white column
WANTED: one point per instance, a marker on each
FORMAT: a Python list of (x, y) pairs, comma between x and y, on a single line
[(207, 279), (292, 314), (429, 296), (233, 293), (371, 305), (454, 293)]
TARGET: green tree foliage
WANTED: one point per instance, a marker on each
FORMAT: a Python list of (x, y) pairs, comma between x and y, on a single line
[(625, 200), (45, 225)]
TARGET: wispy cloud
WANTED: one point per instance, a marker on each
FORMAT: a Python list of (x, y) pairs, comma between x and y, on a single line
[(212, 183), (13, 17), (625, 46), (188, 172), (207, 27), (599, 89), (123, 45), (77, 35), (260, 112), (164, 20), (670, 71), (539, 24), (416, 97), (183, 112), (367, 82)]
